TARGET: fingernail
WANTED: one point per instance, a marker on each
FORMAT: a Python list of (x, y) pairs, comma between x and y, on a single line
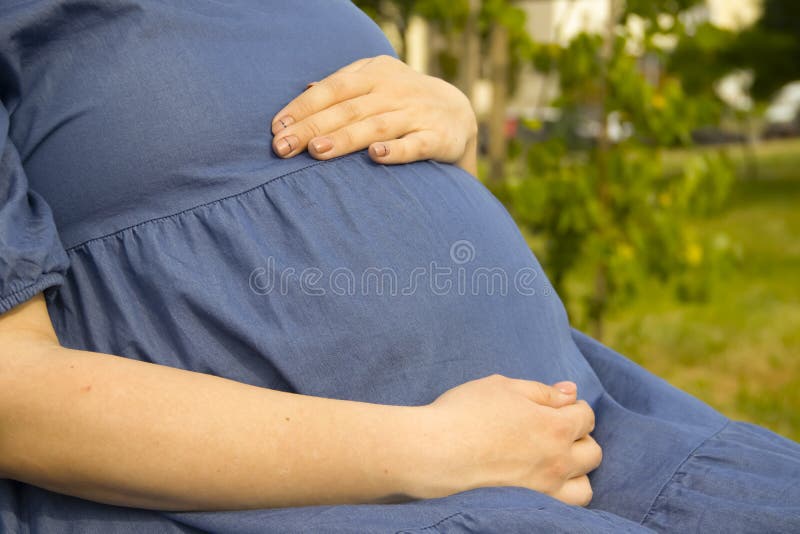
[(285, 145), (322, 145), (380, 150), (567, 388), (283, 122)]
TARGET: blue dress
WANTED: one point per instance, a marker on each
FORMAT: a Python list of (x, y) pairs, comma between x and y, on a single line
[(139, 191)]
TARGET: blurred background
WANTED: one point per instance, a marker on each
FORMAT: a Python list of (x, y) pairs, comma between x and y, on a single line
[(650, 152)]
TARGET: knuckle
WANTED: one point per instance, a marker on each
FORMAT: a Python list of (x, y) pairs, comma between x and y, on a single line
[(543, 390), (350, 110), (313, 130), (497, 380), (585, 407), (335, 85), (302, 108), (451, 150), (561, 429), (558, 469), (346, 137), (424, 145), (380, 125), (550, 486), (562, 433)]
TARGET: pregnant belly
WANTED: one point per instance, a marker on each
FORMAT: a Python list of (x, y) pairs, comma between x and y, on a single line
[(136, 109), (344, 279)]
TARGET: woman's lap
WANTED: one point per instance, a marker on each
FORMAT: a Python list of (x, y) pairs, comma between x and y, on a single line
[(737, 477), (741, 479), (506, 510)]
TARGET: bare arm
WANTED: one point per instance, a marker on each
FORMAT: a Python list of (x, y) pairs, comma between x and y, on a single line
[(125, 432)]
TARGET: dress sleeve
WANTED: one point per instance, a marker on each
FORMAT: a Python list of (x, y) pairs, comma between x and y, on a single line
[(32, 257)]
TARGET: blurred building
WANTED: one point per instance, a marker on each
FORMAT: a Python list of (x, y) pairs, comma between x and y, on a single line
[(552, 21), (733, 14), (558, 21)]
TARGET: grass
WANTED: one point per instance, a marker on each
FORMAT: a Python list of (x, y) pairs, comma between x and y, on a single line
[(739, 350)]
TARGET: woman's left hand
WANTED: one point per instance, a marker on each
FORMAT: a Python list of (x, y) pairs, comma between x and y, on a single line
[(383, 104)]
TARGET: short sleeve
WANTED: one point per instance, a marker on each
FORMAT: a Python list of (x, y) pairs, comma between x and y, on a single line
[(32, 257)]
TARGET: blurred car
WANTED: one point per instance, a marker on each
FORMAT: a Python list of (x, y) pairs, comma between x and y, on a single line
[(716, 136), (783, 115), (579, 130)]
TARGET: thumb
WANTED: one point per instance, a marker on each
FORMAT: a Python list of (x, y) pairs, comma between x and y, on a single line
[(566, 387), (555, 396), (566, 393)]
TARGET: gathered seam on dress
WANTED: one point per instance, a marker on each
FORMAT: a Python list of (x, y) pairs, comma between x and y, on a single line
[(204, 204), (677, 470), (439, 522), (21, 295)]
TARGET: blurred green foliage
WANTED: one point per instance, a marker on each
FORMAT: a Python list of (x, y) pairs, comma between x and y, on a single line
[(604, 200), (770, 50), (736, 350), (613, 206)]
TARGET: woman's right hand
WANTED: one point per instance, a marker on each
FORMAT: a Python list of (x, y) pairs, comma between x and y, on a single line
[(500, 431)]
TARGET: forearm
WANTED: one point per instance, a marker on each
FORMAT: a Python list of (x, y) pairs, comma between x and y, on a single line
[(126, 432)]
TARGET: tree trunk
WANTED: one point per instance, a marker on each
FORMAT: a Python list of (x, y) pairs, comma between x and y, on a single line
[(470, 60), (498, 56), (599, 304), (417, 40), (751, 147)]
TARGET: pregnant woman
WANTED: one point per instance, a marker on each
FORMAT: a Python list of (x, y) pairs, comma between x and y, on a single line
[(208, 326)]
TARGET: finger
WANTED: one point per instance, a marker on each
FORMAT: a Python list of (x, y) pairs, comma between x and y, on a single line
[(570, 388), (414, 146), (586, 456), (542, 393), (352, 67), (337, 87), (581, 416), (575, 491), (356, 65), (294, 139), (358, 136)]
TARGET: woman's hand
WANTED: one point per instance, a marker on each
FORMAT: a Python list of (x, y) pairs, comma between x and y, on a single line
[(499, 431), (383, 104)]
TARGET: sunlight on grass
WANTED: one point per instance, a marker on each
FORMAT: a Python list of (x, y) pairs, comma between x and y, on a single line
[(740, 350)]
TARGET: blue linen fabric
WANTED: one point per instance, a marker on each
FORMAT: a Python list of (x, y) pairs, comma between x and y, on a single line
[(138, 190)]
